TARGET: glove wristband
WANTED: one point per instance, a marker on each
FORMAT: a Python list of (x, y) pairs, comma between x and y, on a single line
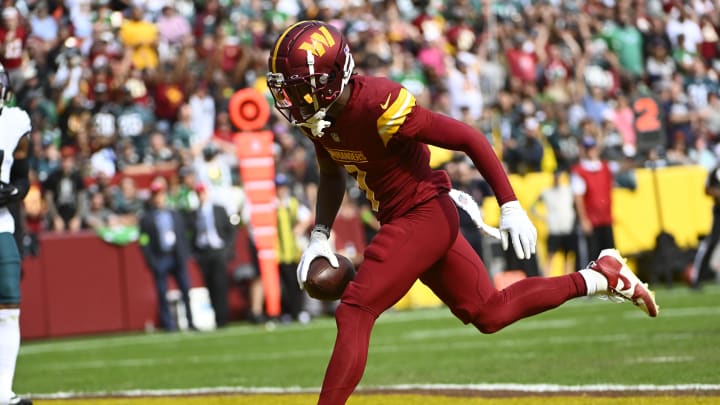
[(324, 229), (510, 205)]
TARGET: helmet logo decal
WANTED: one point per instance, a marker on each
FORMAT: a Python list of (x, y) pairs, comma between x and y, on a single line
[(319, 40)]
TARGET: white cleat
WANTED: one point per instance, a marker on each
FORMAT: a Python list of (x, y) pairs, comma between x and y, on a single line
[(623, 283)]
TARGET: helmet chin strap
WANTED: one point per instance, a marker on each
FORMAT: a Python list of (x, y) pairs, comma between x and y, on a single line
[(316, 124)]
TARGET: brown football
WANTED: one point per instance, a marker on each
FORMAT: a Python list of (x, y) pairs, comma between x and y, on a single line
[(327, 283)]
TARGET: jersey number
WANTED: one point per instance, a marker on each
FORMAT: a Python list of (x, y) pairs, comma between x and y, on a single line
[(648, 119), (360, 176)]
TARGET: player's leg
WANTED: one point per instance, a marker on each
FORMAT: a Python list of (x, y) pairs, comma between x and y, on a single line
[(9, 313), (553, 246), (570, 248), (397, 255), (703, 271), (461, 281)]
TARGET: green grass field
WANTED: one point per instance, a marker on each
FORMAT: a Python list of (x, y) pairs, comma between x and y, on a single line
[(584, 342)]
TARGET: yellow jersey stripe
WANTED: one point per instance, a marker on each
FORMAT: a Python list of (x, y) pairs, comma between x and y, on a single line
[(389, 123), (279, 41)]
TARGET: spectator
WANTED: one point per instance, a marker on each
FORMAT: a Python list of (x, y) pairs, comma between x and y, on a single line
[(213, 246), (202, 108), (44, 28), (134, 121), (65, 194), (182, 196), (659, 64), (98, 215), (591, 183), (166, 250), (463, 84), (626, 41), (13, 42), (173, 28), (125, 201), (560, 217), (160, 154), (183, 132), (293, 221), (140, 38)]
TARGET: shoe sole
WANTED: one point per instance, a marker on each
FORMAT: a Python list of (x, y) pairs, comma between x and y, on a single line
[(642, 297)]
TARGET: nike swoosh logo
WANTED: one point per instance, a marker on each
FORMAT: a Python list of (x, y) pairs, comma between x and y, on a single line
[(384, 106)]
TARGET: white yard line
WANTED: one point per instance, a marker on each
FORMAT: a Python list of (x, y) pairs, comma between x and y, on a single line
[(479, 388)]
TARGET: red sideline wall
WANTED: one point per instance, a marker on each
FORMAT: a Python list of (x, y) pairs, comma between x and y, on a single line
[(82, 285)]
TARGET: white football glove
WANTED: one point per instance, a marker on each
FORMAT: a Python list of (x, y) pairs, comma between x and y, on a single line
[(469, 205), (319, 246), (516, 226)]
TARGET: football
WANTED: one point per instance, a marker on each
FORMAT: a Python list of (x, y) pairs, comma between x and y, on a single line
[(327, 283)]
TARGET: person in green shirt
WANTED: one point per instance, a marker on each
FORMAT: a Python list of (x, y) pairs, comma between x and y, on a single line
[(626, 42)]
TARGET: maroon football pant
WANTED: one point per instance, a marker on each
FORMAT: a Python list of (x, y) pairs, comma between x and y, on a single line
[(425, 244)]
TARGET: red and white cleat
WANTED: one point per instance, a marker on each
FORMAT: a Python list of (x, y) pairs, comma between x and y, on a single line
[(623, 283)]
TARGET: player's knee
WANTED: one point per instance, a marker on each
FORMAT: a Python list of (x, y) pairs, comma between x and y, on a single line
[(353, 316), (487, 328), (488, 319)]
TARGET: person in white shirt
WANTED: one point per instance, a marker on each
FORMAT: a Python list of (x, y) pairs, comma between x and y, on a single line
[(213, 246), (560, 218)]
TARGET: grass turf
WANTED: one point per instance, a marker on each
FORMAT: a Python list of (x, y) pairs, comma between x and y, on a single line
[(583, 342)]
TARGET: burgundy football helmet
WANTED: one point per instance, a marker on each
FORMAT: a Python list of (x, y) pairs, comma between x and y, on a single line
[(309, 66)]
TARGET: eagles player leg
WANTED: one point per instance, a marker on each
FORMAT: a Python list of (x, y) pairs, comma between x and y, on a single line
[(14, 185), (9, 317), (402, 250)]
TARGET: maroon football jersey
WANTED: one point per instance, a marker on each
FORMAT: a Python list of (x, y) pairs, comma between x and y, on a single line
[(373, 139)]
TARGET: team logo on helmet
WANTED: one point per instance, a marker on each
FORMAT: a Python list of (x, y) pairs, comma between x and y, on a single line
[(318, 42)]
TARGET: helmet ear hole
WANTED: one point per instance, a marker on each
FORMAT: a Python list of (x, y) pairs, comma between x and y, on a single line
[(323, 79)]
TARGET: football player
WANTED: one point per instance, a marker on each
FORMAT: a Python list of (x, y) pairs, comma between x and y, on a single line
[(14, 185), (373, 129)]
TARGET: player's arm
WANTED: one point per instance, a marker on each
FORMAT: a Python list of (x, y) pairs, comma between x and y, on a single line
[(440, 130), (330, 190), (445, 132), (329, 197), (19, 183), (20, 168)]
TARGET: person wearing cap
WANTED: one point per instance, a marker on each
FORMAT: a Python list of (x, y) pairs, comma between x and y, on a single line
[(166, 249), (591, 181), (213, 236)]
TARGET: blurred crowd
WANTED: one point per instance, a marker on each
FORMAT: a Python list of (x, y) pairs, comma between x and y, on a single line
[(118, 89)]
